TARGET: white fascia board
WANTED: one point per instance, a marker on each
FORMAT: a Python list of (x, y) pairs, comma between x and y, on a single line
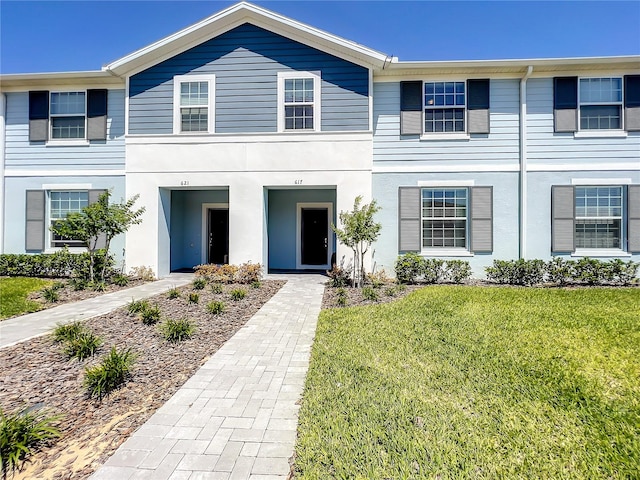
[(232, 17), (516, 66), (22, 81)]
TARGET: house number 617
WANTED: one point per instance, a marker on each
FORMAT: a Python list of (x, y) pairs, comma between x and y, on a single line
[(298, 182)]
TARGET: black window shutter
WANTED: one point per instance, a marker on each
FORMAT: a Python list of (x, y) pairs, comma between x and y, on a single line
[(562, 218), (94, 195), (632, 103), (478, 105), (34, 221), (38, 116), (633, 218), (565, 104), (481, 219), (409, 219), (97, 114), (411, 108)]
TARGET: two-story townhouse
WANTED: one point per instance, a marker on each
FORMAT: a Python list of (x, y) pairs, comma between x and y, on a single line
[(246, 133), (507, 159)]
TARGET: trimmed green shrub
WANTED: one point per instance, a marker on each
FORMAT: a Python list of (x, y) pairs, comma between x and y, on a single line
[(22, 434), (83, 345), (559, 270), (137, 306), (50, 294), (68, 331), (370, 294), (623, 273), (173, 293), (194, 298), (432, 270), (457, 271), (216, 288), (409, 267), (238, 294), (589, 270), (199, 283), (177, 330), (150, 315), (109, 374), (215, 307), (517, 272)]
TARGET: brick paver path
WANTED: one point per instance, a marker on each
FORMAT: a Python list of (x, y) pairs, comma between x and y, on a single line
[(236, 418)]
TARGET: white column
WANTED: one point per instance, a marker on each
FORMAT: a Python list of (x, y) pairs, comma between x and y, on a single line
[(246, 218)]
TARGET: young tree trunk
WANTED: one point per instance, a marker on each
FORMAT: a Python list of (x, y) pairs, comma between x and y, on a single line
[(106, 252)]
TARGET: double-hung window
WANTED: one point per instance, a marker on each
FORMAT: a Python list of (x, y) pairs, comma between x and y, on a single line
[(444, 107), (194, 100), (62, 204), (67, 114), (598, 217), (444, 217), (600, 102), (298, 101)]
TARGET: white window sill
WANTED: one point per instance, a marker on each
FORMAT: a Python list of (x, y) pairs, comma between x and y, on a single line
[(600, 252), (70, 249), (446, 252), (444, 136), (600, 134), (298, 131), (68, 143)]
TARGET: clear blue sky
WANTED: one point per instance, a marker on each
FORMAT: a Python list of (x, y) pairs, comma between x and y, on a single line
[(37, 36)]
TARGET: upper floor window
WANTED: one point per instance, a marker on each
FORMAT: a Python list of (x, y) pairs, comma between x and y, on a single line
[(298, 101), (68, 115), (600, 103), (194, 100), (444, 107)]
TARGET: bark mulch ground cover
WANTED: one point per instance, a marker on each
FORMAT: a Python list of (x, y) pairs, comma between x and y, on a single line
[(37, 373)]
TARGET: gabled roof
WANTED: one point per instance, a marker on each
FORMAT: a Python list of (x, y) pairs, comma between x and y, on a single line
[(233, 17)]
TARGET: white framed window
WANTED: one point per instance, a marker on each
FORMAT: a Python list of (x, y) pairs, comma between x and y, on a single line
[(599, 217), (444, 107), (445, 218), (299, 101), (600, 103), (61, 204), (194, 104), (68, 115)]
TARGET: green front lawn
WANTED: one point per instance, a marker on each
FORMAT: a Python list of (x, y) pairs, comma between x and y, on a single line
[(14, 292), (473, 382)]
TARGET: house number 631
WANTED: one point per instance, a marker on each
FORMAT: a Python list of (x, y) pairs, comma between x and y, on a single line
[(298, 182)]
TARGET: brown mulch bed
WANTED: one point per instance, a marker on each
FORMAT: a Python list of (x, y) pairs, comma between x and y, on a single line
[(36, 373)]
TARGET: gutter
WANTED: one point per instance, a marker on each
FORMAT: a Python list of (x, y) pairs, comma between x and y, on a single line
[(523, 163)]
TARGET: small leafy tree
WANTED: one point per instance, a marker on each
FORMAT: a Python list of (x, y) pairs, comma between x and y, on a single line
[(358, 232), (99, 218)]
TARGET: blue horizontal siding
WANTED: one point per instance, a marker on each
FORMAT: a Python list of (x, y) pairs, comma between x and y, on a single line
[(501, 145), (544, 145), (246, 62), (23, 155)]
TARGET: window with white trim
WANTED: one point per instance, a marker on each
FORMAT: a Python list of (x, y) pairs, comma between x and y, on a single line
[(298, 101), (444, 107), (598, 217), (444, 217), (600, 103), (67, 113), (62, 204), (193, 100)]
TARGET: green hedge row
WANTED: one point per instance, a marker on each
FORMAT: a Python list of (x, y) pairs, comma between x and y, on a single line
[(586, 271), (412, 268), (61, 264)]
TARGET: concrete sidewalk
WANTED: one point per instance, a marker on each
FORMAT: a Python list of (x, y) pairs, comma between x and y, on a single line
[(19, 329), (236, 418)]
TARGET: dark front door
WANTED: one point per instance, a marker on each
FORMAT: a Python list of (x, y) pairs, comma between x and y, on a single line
[(315, 225), (218, 236)]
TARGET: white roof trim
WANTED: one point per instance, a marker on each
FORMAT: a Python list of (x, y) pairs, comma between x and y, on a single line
[(232, 17)]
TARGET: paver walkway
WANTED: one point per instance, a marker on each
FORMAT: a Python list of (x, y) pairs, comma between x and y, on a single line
[(15, 330), (236, 418)]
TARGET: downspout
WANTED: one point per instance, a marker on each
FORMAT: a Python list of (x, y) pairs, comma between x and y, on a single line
[(3, 132), (523, 162)]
